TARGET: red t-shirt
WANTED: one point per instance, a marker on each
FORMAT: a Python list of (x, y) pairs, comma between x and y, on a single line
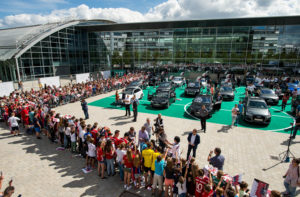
[(100, 154), (109, 155), (115, 141), (94, 134), (128, 164), (209, 194), (200, 182), (122, 140)]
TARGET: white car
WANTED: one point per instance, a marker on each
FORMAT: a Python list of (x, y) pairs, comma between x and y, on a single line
[(178, 81), (137, 91)]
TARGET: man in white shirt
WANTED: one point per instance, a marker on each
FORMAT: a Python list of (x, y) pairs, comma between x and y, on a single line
[(127, 103), (13, 122)]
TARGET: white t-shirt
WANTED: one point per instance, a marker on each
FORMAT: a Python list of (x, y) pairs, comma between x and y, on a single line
[(176, 151), (81, 133), (181, 187), (120, 154), (234, 111), (92, 150), (68, 131), (13, 121), (73, 137)]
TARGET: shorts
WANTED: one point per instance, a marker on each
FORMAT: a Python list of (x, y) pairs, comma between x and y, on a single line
[(169, 182), (152, 173), (100, 162), (147, 169), (127, 170), (37, 129), (157, 180), (89, 157), (15, 128)]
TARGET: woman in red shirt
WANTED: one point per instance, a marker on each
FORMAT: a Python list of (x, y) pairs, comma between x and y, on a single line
[(109, 156), (128, 164), (100, 159)]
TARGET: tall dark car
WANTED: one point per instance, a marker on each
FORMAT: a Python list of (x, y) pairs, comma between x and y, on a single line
[(200, 100), (295, 103), (256, 111), (192, 89), (269, 96), (162, 99), (227, 93), (139, 83), (166, 86)]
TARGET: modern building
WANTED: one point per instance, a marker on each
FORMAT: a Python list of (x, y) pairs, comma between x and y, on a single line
[(58, 49)]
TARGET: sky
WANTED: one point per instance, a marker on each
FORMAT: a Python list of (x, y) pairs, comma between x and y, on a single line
[(29, 12)]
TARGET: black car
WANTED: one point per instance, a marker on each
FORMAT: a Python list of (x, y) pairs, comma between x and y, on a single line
[(192, 89), (256, 111), (140, 83), (162, 99), (154, 80), (227, 93), (269, 96), (199, 101), (295, 103), (166, 86)]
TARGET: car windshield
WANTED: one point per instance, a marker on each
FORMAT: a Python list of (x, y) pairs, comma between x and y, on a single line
[(267, 91), (161, 94), (129, 91), (258, 104), (202, 99), (134, 83), (193, 85), (226, 89), (177, 79), (164, 85)]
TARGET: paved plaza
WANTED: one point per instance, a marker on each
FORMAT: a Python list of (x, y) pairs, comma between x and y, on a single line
[(38, 169)]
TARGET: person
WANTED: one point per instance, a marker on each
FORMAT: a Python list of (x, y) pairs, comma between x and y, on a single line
[(117, 97), (194, 141), (169, 177), (149, 127), (120, 154), (203, 116), (109, 156), (218, 160), (181, 184), (234, 113), (37, 126), (128, 164), (218, 102), (85, 108), (158, 123), (176, 148), (285, 98), (135, 103), (13, 122), (127, 105), (201, 180), (275, 193), (91, 153), (143, 137), (158, 173), (147, 156), (136, 170), (240, 112), (292, 178), (297, 126)]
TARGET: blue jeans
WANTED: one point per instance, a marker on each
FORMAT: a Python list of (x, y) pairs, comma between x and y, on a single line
[(86, 114), (110, 166), (291, 190), (121, 169), (182, 195)]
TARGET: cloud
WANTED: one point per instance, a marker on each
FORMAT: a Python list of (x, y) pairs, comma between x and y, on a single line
[(168, 10)]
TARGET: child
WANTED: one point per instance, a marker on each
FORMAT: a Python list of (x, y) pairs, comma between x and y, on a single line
[(137, 170), (181, 185), (100, 158), (67, 135), (91, 154), (73, 140), (243, 189)]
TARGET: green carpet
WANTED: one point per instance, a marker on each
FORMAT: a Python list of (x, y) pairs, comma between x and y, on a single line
[(280, 121)]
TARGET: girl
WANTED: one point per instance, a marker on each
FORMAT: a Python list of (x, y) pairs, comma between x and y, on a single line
[(91, 154), (137, 170), (67, 135), (128, 164), (181, 185), (73, 139), (120, 154), (100, 158), (109, 155), (169, 177)]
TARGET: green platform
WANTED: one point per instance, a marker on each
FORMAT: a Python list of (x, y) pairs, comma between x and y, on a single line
[(280, 121)]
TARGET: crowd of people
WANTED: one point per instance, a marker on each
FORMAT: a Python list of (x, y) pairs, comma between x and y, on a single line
[(142, 159)]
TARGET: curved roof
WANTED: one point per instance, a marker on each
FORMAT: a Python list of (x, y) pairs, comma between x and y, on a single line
[(15, 41)]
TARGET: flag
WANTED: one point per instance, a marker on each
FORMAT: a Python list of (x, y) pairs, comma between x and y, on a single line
[(236, 180)]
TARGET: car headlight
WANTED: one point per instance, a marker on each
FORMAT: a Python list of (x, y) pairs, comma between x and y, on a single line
[(249, 114)]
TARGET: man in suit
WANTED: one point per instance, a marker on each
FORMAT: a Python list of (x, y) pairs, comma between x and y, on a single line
[(135, 103), (194, 140), (85, 108)]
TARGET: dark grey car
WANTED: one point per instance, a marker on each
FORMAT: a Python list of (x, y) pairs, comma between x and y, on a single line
[(162, 99), (269, 96), (227, 93), (192, 89), (256, 111), (199, 101)]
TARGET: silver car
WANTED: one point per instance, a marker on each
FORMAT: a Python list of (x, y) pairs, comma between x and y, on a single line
[(269, 96), (227, 93), (256, 111)]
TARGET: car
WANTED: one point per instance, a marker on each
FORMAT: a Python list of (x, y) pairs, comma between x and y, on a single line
[(293, 86), (166, 86), (154, 80), (269, 96), (178, 81), (162, 99), (295, 103), (256, 111), (227, 93), (192, 89), (199, 101), (140, 83), (137, 91)]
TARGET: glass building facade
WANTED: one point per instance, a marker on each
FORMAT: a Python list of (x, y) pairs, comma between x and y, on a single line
[(91, 46)]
